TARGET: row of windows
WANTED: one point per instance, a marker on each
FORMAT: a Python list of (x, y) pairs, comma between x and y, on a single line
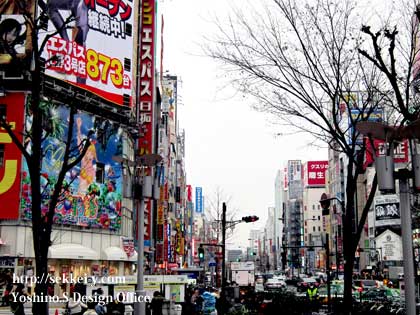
[(313, 229)]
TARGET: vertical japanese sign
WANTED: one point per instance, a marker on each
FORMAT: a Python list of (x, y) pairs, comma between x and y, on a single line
[(160, 224), (95, 51), (10, 164), (146, 89), (199, 199), (189, 193), (315, 171)]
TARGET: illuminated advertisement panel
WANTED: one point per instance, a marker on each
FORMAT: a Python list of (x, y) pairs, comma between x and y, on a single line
[(91, 45), (94, 194), (10, 162), (15, 36)]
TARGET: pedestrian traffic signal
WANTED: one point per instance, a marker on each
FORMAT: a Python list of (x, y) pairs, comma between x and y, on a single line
[(250, 218), (253, 253), (201, 253)]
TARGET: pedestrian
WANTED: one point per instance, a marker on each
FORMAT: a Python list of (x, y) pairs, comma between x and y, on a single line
[(209, 302), (91, 308), (157, 303), (196, 302), (312, 295), (116, 306), (100, 308), (75, 304), (15, 299)]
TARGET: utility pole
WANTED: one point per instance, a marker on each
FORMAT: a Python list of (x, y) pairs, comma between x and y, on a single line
[(327, 252), (224, 247), (337, 257)]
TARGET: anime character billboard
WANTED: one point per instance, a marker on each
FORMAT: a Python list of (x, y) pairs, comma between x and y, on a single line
[(15, 37), (92, 192)]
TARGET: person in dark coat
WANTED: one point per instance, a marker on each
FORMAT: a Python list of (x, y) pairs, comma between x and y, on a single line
[(16, 305), (157, 303)]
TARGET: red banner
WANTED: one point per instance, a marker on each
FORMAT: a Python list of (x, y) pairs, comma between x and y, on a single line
[(316, 172), (189, 193), (400, 151), (10, 156)]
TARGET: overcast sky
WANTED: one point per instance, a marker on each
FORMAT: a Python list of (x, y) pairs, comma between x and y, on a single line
[(227, 143)]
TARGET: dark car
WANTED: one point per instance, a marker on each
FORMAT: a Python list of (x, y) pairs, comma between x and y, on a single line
[(365, 284)]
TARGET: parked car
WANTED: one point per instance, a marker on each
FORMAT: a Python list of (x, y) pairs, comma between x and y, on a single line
[(293, 280), (304, 283), (366, 284), (380, 295), (275, 284)]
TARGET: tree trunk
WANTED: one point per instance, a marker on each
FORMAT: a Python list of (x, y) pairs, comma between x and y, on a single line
[(348, 239), (41, 289)]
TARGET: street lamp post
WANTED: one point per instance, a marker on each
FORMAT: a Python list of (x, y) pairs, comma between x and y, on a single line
[(325, 204), (386, 182), (144, 189)]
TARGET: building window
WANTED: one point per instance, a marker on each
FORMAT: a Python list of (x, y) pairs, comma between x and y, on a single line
[(313, 229), (1, 155), (100, 172), (319, 207), (313, 207), (319, 218), (319, 229)]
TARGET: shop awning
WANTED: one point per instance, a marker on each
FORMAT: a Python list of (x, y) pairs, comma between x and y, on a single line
[(115, 253), (72, 251)]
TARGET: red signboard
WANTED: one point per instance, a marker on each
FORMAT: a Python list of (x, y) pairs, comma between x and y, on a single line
[(146, 74), (189, 193), (10, 161), (316, 172), (400, 151), (146, 89)]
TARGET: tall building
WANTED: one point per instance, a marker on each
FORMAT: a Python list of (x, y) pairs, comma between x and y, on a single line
[(314, 222), (294, 215), (279, 205)]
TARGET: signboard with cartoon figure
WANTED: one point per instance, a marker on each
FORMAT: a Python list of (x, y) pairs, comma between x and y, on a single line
[(93, 189)]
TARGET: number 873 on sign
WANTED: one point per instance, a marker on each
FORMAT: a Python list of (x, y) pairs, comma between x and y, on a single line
[(102, 67)]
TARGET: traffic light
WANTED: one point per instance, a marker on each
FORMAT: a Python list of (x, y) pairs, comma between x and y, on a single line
[(201, 253), (325, 204), (253, 253), (250, 218)]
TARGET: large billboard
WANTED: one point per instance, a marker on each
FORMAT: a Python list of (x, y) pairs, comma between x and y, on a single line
[(10, 156), (94, 187), (315, 173), (91, 45), (15, 37)]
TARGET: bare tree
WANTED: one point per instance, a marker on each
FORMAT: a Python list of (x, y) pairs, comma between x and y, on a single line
[(40, 128), (214, 212), (394, 50), (300, 63)]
